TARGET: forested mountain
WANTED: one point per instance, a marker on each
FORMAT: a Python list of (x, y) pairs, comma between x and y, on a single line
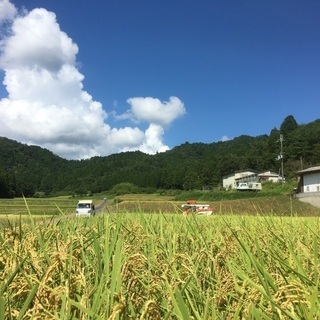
[(30, 169)]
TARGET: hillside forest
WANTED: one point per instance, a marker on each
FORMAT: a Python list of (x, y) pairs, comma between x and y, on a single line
[(34, 171)]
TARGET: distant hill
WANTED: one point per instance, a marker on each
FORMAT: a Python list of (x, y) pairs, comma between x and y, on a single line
[(30, 169)]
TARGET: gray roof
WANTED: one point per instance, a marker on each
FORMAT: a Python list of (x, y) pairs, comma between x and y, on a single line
[(309, 170)]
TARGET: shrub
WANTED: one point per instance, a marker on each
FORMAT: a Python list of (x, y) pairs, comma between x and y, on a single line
[(124, 188)]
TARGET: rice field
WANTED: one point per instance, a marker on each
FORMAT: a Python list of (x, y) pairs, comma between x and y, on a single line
[(42, 206), (276, 205), (160, 266)]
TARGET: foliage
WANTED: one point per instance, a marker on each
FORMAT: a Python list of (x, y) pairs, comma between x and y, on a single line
[(7, 189), (124, 188), (32, 170), (288, 125)]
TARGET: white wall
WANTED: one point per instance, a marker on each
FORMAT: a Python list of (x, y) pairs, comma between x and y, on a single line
[(311, 182), (229, 181)]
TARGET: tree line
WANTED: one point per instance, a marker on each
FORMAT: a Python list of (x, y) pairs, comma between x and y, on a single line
[(32, 170)]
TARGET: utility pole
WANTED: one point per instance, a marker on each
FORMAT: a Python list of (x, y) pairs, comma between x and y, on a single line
[(281, 157)]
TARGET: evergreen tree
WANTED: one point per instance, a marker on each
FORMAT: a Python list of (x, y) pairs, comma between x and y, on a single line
[(288, 125)]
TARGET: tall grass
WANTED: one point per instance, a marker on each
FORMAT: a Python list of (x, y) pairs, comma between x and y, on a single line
[(156, 266)]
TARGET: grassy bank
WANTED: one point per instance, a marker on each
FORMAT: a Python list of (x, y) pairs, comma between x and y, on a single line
[(147, 266)]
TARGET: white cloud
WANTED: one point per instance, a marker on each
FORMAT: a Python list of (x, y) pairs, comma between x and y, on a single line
[(154, 111), (38, 42), (47, 105), (126, 138), (153, 140), (225, 138), (7, 11)]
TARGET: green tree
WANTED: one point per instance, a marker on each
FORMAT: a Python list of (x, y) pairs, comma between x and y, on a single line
[(124, 188), (288, 125), (7, 188)]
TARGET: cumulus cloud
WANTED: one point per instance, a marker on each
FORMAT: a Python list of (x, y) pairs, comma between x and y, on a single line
[(47, 104), (7, 11), (225, 138), (154, 111)]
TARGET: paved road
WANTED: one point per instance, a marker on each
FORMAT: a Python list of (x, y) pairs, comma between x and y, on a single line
[(315, 201), (101, 206), (312, 198)]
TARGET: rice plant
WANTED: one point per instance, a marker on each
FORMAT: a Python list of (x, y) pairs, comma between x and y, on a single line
[(160, 266)]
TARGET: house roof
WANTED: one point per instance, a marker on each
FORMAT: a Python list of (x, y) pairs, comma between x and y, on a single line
[(309, 170), (246, 176), (252, 172), (268, 174), (245, 170)]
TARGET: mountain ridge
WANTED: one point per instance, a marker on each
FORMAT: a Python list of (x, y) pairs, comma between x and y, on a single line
[(31, 169)]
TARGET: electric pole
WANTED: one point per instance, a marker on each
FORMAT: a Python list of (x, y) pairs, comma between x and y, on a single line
[(281, 157)]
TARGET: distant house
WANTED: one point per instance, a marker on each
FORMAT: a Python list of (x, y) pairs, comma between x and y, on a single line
[(230, 181), (309, 180), (269, 176)]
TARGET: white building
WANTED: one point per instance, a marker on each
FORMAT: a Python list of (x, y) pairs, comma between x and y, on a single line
[(230, 181), (269, 176), (309, 180)]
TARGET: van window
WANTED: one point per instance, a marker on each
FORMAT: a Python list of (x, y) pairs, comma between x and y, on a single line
[(83, 205)]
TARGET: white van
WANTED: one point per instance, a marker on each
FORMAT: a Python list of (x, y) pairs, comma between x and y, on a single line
[(85, 208), (252, 186)]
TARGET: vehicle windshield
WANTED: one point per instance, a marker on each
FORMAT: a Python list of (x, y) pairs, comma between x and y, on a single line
[(83, 205)]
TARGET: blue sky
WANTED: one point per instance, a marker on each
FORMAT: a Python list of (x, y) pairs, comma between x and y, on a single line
[(236, 67)]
